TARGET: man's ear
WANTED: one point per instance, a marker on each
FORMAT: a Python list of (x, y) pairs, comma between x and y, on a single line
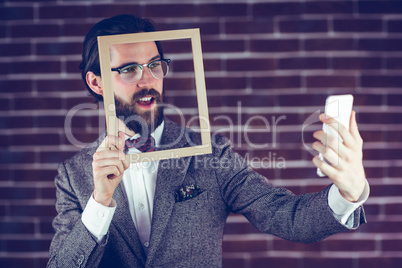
[(94, 82)]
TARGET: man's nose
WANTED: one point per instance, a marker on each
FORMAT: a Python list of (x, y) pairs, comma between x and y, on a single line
[(146, 77)]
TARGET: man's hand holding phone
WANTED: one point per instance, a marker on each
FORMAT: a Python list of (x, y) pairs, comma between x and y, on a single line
[(344, 165)]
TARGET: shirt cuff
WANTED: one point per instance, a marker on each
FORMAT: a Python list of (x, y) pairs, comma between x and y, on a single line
[(97, 218), (343, 208)]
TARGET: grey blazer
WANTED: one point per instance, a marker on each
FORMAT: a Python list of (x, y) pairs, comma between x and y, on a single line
[(185, 233)]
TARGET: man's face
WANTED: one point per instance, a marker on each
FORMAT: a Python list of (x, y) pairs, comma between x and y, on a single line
[(139, 105)]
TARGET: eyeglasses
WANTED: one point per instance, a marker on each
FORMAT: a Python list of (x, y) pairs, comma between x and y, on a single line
[(132, 73)]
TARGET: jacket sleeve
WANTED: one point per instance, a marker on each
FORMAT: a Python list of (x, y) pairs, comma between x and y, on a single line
[(72, 245), (306, 218)]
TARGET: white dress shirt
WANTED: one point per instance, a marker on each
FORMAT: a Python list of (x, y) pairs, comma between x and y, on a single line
[(139, 182)]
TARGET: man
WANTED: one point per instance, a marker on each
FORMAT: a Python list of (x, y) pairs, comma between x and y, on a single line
[(115, 214)]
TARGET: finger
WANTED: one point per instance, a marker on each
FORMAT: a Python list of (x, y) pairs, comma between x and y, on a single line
[(114, 142), (338, 127), (354, 130), (324, 167), (332, 142), (122, 142), (107, 154), (108, 172), (328, 153)]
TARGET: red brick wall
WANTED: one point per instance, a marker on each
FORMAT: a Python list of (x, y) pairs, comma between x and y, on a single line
[(279, 59)]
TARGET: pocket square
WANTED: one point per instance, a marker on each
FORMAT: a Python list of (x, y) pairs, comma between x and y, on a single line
[(187, 192)]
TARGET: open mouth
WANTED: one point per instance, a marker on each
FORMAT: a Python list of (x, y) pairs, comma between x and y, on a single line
[(146, 102)]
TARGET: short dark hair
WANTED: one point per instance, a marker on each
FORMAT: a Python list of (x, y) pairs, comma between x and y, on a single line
[(121, 24)]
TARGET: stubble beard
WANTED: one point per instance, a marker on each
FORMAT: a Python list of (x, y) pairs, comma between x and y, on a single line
[(139, 120)]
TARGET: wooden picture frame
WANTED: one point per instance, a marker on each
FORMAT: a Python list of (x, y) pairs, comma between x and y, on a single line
[(104, 43)]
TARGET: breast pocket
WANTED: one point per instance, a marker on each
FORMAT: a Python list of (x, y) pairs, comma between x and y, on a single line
[(191, 205)]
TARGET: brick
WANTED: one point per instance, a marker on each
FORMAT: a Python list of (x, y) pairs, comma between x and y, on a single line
[(63, 11), (15, 227), (16, 13), (226, 83), (219, 10), (372, 136), (37, 103), (47, 193), (75, 28), (283, 262), (35, 67), (391, 245), (374, 172), (83, 139), (371, 44), (60, 48), (372, 209), (385, 190), (379, 7), (45, 226), (380, 261), (72, 102), (276, 82), (250, 64), (60, 85), (179, 84), (249, 26), (188, 66), (223, 46), (55, 157), (392, 136), (393, 209), (176, 46), (380, 118), (249, 101), (34, 139), (16, 122), (235, 262), (31, 174), (110, 10), (240, 228), (15, 49), (394, 26), (328, 7), (366, 99), (283, 245), (297, 100), (34, 30), (206, 28), (4, 104), (328, 262), (393, 99), (381, 81), (337, 44), (351, 245), (357, 25), (169, 10), (328, 81), (356, 63), (302, 63), (73, 67), (17, 157), (393, 63), (282, 45), (28, 210), (276, 9), (59, 121), (17, 193), (303, 26), (3, 31), (245, 246), (395, 171), (15, 85), (27, 245)]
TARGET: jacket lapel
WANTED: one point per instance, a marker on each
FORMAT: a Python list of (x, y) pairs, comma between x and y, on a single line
[(124, 224), (171, 173)]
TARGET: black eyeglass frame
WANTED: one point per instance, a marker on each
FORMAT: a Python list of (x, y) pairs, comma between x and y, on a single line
[(142, 67)]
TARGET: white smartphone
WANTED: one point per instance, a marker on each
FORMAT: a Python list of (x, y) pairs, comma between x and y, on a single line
[(338, 107)]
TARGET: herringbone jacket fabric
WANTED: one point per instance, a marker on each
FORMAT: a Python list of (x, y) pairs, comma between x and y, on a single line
[(184, 233)]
